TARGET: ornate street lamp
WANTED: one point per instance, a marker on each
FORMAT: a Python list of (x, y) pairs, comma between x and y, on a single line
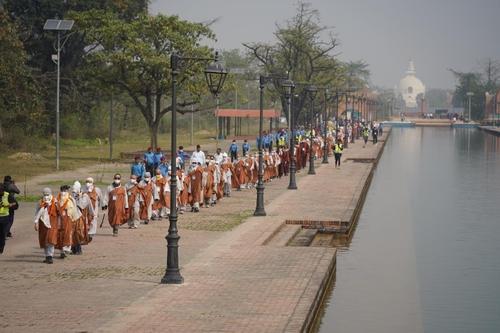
[(312, 91), (325, 124), (263, 80), (215, 75), (346, 134), (288, 87)]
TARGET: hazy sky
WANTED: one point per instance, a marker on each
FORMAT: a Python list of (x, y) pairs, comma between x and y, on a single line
[(436, 34)]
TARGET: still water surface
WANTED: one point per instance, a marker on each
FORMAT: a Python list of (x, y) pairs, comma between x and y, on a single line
[(426, 253)]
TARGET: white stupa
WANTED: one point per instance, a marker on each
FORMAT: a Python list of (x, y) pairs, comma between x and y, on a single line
[(410, 87)]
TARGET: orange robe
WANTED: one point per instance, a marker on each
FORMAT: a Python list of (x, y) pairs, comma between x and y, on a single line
[(117, 206), (48, 235)]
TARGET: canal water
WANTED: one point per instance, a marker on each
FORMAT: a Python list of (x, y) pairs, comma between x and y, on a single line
[(425, 256)]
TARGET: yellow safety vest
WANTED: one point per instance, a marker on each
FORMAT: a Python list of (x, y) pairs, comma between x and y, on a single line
[(4, 209), (339, 148)]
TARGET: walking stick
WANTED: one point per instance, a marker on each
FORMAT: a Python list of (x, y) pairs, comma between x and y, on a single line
[(102, 221)]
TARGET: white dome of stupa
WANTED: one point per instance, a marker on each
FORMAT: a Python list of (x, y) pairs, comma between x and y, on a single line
[(410, 87)]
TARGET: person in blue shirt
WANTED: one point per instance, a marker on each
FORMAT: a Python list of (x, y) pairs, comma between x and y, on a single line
[(157, 157), (233, 150), (137, 168), (149, 158), (265, 141), (164, 166), (183, 156), (245, 148)]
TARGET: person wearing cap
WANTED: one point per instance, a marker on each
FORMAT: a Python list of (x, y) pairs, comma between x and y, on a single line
[(133, 203), (245, 147), (149, 159), (46, 223), (164, 167), (68, 215), (137, 169), (195, 188), (10, 186), (116, 202), (96, 199), (147, 192), (161, 207), (233, 150), (183, 156), (157, 157), (227, 170), (81, 225)]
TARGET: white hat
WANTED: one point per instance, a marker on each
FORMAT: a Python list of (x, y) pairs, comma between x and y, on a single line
[(77, 187), (224, 154), (47, 191), (89, 180)]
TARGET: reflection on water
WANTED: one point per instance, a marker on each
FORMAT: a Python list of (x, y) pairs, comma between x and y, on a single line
[(426, 254)]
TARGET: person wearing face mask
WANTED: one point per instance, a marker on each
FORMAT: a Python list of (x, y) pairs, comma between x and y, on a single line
[(116, 202), (161, 207), (68, 215), (96, 199), (81, 231), (147, 191), (164, 167), (133, 202), (45, 222)]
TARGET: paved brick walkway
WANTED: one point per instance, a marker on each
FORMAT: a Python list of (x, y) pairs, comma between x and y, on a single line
[(232, 281)]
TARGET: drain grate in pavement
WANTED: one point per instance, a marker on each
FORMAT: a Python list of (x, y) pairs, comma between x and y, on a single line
[(362, 160)]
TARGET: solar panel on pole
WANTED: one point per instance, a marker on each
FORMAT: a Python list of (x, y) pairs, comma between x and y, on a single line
[(51, 24)]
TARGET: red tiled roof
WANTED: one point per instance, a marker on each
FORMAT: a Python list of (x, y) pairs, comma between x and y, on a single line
[(248, 113)]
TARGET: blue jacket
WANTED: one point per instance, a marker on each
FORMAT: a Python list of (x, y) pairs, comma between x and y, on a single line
[(149, 157), (245, 147), (233, 148), (138, 170), (183, 155), (164, 169), (157, 158)]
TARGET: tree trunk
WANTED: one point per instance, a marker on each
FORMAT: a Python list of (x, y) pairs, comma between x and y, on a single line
[(153, 131)]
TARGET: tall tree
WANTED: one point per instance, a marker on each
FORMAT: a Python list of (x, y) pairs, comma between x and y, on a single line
[(301, 51), (469, 82), (19, 104), (134, 57)]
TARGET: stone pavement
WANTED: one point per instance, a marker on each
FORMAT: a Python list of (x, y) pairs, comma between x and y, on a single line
[(233, 282)]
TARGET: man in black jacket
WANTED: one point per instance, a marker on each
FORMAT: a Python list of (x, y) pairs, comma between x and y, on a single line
[(10, 186)]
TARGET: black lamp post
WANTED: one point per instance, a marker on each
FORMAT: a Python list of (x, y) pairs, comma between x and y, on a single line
[(353, 134), (215, 75), (346, 134), (312, 92), (337, 96), (289, 88), (259, 208), (325, 133)]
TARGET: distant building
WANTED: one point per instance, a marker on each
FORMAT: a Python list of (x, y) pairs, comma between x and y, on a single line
[(411, 89)]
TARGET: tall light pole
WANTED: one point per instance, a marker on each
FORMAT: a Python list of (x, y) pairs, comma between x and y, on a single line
[(289, 88), (263, 80), (325, 128), (215, 75), (59, 26), (469, 95), (311, 91)]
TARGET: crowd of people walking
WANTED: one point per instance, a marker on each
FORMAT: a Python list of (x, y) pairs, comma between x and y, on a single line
[(70, 219)]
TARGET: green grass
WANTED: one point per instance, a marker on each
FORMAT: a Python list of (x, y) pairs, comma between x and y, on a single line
[(77, 153), (28, 198), (217, 222)]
